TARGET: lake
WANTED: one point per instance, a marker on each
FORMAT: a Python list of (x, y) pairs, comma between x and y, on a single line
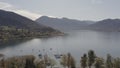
[(77, 43)]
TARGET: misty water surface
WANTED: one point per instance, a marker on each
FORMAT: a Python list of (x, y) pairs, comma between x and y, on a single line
[(77, 43)]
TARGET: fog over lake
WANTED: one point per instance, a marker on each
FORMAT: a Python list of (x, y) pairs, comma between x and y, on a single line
[(77, 43)]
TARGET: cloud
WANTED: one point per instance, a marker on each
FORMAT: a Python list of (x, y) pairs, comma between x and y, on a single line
[(28, 14), (4, 5)]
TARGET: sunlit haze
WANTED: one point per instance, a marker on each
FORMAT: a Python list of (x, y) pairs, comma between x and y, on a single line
[(75, 9)]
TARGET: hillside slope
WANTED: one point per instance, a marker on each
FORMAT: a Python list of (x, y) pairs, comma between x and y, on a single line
[(63, 23), (106, 25), (13, 25)]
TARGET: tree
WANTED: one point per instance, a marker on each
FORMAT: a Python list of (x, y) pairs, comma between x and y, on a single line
[(2, 63), (109, 63), (70, 61), (116, 63), (46, 60), (73, 63), (63, 61), (29, 61), (91, 58), (84, 61), (99, 63), (52, 62), (40, 64)]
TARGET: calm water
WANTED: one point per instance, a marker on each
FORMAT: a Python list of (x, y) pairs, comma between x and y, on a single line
[(77, 43)]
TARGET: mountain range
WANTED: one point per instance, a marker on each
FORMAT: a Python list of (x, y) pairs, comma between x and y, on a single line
[(106, 25), (49, 24), (65, 24)]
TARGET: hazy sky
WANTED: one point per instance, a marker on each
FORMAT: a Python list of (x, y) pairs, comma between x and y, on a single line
[(76, 9)]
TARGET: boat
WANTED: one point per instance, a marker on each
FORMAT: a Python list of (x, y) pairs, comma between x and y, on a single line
[(57, 56), (40, 55)]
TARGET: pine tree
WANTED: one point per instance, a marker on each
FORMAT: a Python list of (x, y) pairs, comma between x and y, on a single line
[(73, 63), (84, 61), (91, 58), (109, 63), (116, 63), (68, 60)]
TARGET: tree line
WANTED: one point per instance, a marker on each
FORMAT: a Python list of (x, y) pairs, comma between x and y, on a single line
[(88, 60), (91, 60), (11, 33)]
